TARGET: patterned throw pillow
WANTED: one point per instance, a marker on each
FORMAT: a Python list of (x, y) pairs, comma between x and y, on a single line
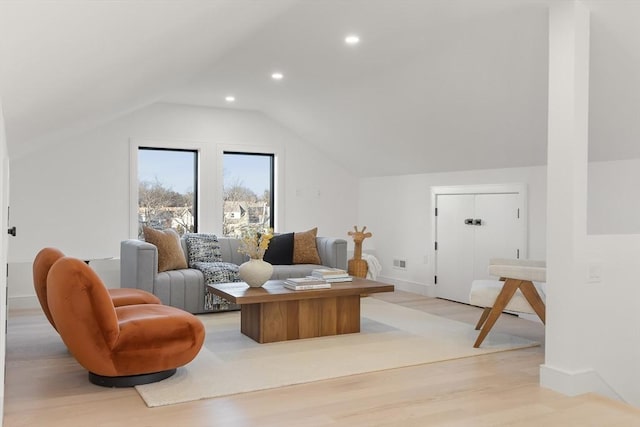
[(170, 255), (202, 248), (305, 250)]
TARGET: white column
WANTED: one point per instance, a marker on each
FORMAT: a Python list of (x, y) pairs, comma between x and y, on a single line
[(567, 159)]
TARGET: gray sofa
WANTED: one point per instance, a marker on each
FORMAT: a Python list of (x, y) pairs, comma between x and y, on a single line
[(185, 288)]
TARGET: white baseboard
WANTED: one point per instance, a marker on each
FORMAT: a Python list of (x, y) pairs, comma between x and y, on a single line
[(403, 285), (573, 383)]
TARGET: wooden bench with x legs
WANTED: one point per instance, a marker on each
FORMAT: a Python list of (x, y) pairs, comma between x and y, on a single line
[(514, 292)]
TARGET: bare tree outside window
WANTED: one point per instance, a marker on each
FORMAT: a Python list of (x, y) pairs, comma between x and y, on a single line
[(166, 179), (248, 189)]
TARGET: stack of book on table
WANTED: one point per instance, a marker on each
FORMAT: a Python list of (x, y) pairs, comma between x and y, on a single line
[(331, 275), (304, 283)]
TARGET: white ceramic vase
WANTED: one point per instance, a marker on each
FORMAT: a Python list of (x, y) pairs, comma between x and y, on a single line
[(255, 272)]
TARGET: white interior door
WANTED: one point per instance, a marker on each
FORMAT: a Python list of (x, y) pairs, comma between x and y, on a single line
[(471, 229), (499, 234), (455, 251)]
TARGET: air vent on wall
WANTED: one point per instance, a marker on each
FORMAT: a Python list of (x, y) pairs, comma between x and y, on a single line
[(400, 263)]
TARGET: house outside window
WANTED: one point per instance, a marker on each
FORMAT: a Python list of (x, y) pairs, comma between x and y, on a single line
[(248, 192), (167, 189)]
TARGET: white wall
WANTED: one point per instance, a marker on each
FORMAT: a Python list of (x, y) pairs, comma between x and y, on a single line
[(610, 316), (613, 200), (614, 245), (75, 196), (398, 211)]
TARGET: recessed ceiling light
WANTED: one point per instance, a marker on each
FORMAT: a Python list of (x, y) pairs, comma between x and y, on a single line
[(352, 39), (229, 98), (277, 76)]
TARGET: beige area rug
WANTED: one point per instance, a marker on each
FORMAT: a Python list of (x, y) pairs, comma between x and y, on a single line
[(391, 336)]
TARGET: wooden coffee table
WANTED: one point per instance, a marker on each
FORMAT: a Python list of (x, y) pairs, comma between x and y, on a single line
[(274, 313)]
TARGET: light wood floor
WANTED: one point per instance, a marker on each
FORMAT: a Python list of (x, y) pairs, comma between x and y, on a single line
[(46, 387)]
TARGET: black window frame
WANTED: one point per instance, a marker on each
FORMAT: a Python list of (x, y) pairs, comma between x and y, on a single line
[(196, 153), (272, 174)]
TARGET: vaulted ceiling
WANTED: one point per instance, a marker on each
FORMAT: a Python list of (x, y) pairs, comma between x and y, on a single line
[(433, 85)]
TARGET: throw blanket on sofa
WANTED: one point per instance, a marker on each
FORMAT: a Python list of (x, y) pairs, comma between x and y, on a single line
[(218, 272)]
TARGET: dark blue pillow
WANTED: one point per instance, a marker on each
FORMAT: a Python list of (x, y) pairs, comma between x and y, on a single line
[(280, 250)]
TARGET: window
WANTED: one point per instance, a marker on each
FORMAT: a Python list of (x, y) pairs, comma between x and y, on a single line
[(198, 180), (248, 182), (167, 189)]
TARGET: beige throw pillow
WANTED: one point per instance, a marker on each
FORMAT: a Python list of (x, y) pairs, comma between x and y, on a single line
[(305, 250), (170, 254)]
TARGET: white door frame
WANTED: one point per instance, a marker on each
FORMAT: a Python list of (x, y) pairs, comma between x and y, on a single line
[(518, 188), (4, 245)]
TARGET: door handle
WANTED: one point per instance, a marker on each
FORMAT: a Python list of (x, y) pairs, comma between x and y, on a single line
[(12, 231), (468, 221), (477, 221)]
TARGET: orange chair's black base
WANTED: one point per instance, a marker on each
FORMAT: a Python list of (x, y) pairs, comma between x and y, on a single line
[(130, 380)]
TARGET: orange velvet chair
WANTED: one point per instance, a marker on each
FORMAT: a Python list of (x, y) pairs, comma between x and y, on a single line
[(120, 296), (119, 346)]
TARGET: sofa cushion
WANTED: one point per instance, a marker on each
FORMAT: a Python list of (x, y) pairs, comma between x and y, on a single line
[(280, 250), (170, 255), (305, 250), (202, 248)]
